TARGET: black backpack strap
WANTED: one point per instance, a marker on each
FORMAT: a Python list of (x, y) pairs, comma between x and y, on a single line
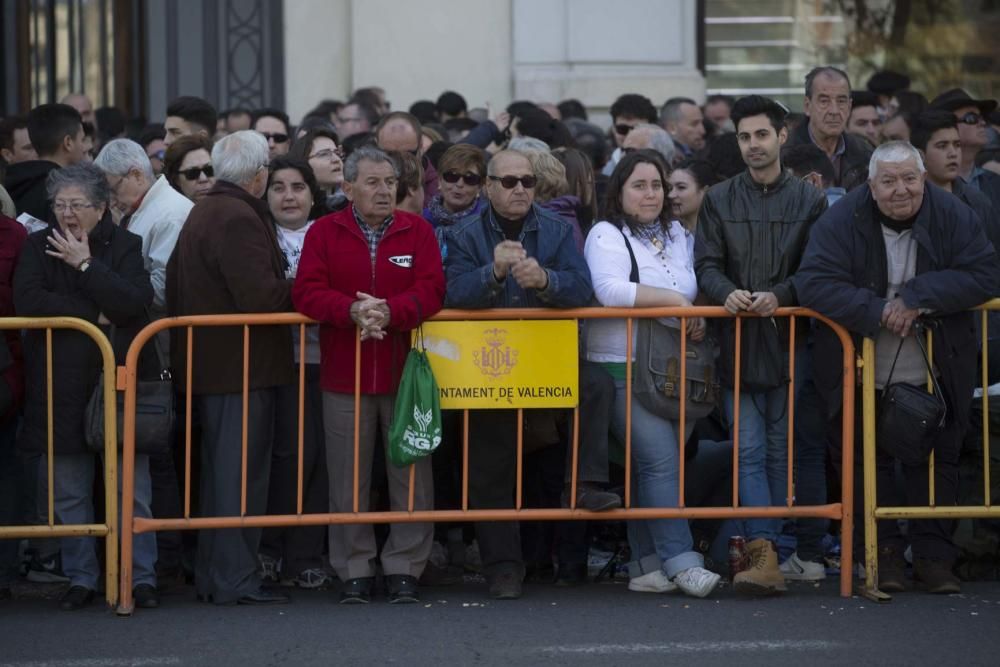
[(634, 275)]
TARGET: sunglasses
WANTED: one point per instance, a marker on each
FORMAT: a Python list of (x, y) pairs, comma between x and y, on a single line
[(972, 118), (510, 182), (193, 173), (277, 136), (468, 177), (623, 129)]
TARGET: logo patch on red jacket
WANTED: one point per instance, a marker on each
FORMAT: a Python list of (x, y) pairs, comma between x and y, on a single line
[(405, 261)]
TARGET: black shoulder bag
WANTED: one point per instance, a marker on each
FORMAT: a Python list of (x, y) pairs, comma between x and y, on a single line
[(909, 417), (154, 411)]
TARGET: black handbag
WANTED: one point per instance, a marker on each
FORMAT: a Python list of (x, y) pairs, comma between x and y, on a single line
[(656, 382), (154, 411), (762, 353), (910, 417)]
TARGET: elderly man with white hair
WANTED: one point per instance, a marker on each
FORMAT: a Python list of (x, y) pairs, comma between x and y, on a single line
[(149, 207), (893, 251), (227, 260)]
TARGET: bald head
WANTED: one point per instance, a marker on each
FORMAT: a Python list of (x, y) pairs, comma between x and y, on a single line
[(514, 202), (398, 134), (81, 103)]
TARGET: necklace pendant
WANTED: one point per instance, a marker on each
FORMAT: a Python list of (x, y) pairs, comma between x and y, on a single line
[(657, 243)]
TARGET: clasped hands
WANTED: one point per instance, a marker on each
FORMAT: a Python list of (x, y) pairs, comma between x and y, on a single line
[(510, 257), (761, 303), (897, 318), (371, 315)]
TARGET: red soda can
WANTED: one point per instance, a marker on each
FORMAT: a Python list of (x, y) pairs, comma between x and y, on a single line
[(737, 555)]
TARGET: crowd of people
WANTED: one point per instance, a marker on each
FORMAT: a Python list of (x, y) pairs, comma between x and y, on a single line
[(877, 208)]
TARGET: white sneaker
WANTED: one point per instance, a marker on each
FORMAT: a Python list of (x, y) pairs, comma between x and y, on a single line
[(696, 581), (652, 582), (796, 569)]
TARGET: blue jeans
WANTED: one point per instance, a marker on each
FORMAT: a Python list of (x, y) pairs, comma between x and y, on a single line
[(73, 476), (655, 543), (763, 447)]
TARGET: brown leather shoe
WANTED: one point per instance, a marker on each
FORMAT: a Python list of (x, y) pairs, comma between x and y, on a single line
[(936, 576)]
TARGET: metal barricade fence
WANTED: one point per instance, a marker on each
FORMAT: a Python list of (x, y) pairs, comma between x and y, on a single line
[(107, 530), (872, 511), (841, 511)]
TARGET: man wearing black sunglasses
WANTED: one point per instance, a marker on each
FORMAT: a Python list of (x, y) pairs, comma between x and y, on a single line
[(628, 111), (971, 114), (273, 124), (516, 255)]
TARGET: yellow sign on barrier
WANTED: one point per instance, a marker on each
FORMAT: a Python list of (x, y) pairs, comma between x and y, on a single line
[(505, 364)]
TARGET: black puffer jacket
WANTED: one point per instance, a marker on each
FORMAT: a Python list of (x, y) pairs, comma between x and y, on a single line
[(752, 236), (116, 284), (844, 276)]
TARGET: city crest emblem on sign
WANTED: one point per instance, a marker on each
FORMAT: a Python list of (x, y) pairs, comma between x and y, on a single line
[(495, 358)]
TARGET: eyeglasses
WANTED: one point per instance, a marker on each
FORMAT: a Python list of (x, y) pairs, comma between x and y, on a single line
[(75, 206), (194, 173), (469, 178), (510, 182), (157, 155), (972, 118), (623, 129), (327, 154), (278, 137), (356, 119)]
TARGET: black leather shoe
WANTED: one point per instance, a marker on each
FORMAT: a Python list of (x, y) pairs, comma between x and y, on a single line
[(264, 596), (571, 574), (77, 597), (401, 588), (357, 591), (145, 597)]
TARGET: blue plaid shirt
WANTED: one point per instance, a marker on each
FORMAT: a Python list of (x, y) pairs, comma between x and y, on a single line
[(373, 236)]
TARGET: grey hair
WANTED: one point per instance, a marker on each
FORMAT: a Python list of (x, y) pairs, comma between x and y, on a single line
[(895, 152), (120, 156), (826, 70), (237, 157), (671, 110), (83, 175), (491, 170), (659, 141), (527, 144), (370, 153)]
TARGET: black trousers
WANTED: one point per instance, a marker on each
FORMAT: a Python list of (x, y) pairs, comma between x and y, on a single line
[(493, 463), (299, 548), (226, 566), (930, 538)]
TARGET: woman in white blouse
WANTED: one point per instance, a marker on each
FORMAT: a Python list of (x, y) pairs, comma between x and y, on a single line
[(664, 558)]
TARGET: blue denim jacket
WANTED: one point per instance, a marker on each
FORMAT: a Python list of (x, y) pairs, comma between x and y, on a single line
[(545, 236)]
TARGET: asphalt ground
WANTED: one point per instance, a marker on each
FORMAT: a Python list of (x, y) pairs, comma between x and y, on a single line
[(592, 624)]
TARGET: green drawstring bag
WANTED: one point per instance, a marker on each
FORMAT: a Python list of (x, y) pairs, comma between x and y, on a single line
[(416, 421)]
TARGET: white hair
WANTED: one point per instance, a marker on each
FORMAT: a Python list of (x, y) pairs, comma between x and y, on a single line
[(120, 156), (894, 152), (237, 157), (659, 141), (528, 144)]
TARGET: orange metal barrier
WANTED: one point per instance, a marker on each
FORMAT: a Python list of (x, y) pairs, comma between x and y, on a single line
[(107, 530), (842, 511)]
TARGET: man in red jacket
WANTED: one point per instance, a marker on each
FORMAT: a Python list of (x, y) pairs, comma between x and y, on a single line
[(12, 236), (376, 270)]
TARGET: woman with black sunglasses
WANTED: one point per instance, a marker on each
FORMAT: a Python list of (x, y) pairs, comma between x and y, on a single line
[(461, 172), (188, 166)]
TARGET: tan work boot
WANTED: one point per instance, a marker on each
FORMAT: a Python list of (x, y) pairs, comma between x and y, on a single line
[(763, 577)]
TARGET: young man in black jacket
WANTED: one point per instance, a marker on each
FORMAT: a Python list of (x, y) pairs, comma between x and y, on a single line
[(752, 231)]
